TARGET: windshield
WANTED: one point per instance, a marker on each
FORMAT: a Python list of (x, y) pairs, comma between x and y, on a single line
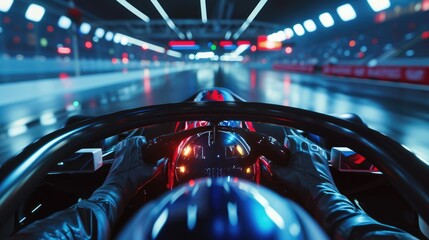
[(65, 58)]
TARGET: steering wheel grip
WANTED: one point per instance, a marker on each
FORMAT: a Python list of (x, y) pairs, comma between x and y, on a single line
[(274, 151)]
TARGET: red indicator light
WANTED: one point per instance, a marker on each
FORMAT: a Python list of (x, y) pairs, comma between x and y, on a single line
[(181, 43), (243, 42), (50, 29), (63, 76), (380, 17), (114, 60), (192, 182), (288, 50), (88, 44), (125, 60), (352, 43), (361, 55), (425, 35), (64, 50), (253, 48), (30, 26)]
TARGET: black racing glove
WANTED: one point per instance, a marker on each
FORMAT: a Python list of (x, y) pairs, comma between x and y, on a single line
[(308, 177), (94, 218), (127, 174)]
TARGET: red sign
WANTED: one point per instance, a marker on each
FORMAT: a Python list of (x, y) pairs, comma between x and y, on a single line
[(265, 45), (419, 75), (294, 68), (181, 43)]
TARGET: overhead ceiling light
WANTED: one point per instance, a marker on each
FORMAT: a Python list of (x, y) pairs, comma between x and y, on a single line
[(99, 32), (326, 20), (203, 11), (379, 5), (167, 19), (228, 35), (134, 10), (35, 12), (203, 55), (228, 58), (249, 19), (240, 49), (85, 28), (299, 30), (108, 36), (281, 36), (124, 40), (5, 5), (310, 26), (289, 33), (346, 12), (117, 38), (64, 22), (174, 54), (152, 47), (189, 35)]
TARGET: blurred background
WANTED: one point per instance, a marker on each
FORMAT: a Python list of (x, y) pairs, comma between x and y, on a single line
[(62, 57)]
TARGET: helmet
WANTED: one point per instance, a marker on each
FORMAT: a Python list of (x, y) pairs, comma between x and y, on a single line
[(215, 94), (222, 208)]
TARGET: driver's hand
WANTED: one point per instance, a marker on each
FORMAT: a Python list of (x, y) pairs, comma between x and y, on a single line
[(129, 165), (305, 173), (129, 171), (308, 178)]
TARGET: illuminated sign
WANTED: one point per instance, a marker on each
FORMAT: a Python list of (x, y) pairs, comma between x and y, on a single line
[(265, 45)]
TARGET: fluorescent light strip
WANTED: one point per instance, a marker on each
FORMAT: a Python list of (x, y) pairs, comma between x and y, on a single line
[(189, 35), (134, 10), (151, 46), (228, 35), (167, 19), (204, 55), (203, 11), (147, 45), (240, 49), (174, 54), (251, 17)]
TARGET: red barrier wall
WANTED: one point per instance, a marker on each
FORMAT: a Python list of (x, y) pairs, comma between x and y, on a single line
[(416, 75), (295, 68)]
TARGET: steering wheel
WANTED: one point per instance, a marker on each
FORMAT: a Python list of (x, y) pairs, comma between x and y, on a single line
[(259, 148), (20, 175)]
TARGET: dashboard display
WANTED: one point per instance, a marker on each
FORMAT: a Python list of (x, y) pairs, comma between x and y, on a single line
[(206, 155)]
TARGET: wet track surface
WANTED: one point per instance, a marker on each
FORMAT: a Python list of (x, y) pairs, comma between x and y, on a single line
[(399, 111)]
